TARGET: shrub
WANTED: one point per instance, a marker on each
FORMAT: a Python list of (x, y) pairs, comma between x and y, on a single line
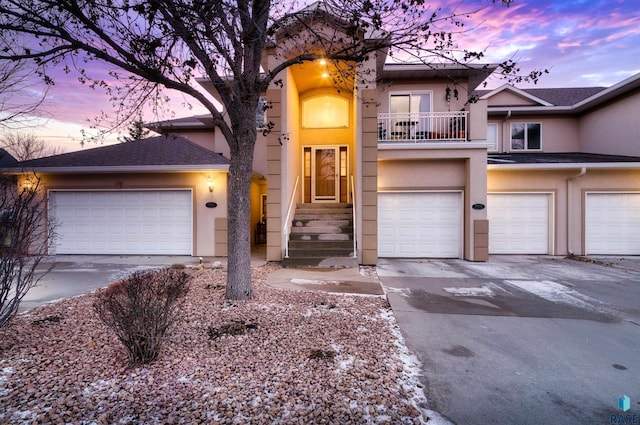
[(24, 233), (142, 308)]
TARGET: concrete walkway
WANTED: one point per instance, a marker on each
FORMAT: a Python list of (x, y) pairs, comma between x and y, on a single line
[(73, 275), (337, 280)]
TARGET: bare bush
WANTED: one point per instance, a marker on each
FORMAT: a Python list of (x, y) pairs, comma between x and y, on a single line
[(23, 240), (141, 310)]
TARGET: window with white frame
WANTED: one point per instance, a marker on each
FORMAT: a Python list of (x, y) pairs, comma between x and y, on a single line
[(492, 136), (406, 109), (526, 136), (409, 103)]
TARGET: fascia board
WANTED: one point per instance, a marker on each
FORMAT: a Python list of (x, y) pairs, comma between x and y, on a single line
[(567, 166), (519, 92), (119, 169)]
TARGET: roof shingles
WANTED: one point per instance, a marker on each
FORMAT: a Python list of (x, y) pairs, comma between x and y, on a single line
[(155, 151)]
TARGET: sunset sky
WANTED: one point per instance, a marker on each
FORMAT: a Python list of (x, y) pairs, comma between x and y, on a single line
[(581, 42)]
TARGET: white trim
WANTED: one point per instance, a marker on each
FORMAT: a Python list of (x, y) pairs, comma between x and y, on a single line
[(519, 92), (434, 145), (566, 166)]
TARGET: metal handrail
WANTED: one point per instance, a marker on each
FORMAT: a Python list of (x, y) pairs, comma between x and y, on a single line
[(353, 202), (286, 228)]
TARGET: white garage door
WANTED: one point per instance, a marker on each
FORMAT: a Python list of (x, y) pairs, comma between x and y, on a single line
[(420, 224), (612, 223), (518, 223), (123, 222)]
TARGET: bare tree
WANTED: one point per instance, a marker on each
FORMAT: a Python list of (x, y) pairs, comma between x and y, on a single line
[(168, 43), (18, 97), (23, 146), (23, 240)]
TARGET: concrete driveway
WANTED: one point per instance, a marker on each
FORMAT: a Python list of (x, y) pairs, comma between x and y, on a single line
[(522, 339), (73, 275)]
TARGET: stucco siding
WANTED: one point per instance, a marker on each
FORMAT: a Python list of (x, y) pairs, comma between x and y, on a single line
[(613, 129)]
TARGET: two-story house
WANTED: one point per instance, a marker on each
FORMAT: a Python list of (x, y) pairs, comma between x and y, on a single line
[(386, 161)]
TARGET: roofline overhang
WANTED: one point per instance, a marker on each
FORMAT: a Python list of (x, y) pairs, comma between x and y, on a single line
[(592, 101), (519, 92), (523, 110), (567, 166), (609, 93), (119, 169)]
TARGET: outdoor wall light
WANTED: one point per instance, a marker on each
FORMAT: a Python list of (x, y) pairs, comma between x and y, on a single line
[(28, 185), (210, 184)]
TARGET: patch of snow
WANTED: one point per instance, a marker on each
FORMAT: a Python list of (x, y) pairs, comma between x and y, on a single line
[(345, 362), (482, 291), (315, 282), (404, 292), (552, 291), (183, 380)]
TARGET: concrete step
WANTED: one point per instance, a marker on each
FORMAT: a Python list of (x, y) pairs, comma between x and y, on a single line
[(310, 216), (329, 222), (325, 205), (331, 262), (320, 252), (320, 244), (321, 230), (321, 236)]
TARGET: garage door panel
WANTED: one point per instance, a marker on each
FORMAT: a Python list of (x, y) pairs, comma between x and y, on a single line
[(422, 224), (612, 224), (518, 223), (126, 222)]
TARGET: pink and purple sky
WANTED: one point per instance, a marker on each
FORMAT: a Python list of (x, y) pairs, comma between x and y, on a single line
[(581, 42)]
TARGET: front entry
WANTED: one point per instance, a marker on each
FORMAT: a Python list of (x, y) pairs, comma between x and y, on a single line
[(325, 174)]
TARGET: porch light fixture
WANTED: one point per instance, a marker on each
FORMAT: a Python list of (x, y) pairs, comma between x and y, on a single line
[(27, 185), (210, 184)]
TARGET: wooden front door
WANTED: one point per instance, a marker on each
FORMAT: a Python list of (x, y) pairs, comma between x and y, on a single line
[(323, 172)]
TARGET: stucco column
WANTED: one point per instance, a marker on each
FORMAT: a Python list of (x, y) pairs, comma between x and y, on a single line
[(369, 176), (476, 194), (274, 180)]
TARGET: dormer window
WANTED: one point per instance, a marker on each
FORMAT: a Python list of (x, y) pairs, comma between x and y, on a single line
[(526, 136)]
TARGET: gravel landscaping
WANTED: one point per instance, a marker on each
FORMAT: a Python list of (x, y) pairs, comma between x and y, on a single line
[(286, 357)]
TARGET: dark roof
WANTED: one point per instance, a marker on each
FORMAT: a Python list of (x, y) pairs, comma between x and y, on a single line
[(567, 96), (6, 158), (558, 158), (155, 151)]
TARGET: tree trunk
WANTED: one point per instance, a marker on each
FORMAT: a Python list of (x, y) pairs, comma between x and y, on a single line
[(239, 285)]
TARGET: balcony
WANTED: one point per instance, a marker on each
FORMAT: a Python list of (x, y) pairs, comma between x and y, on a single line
[(424, 127)]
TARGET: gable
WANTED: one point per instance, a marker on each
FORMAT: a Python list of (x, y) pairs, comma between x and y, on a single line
[(509, 98)]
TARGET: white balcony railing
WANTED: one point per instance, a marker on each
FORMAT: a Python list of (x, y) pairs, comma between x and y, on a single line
[(423, 127)]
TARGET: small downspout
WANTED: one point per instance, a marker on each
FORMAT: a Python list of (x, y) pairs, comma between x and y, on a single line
[(583, 171)]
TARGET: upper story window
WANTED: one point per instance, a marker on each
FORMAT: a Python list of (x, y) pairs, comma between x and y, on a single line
[(414, 102), (526, 136), (325, 111)]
